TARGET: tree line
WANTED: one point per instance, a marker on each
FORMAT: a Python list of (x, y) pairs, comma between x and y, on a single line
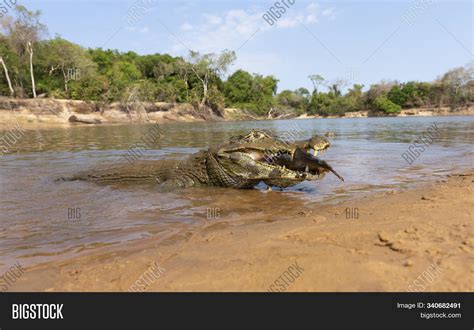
[(33, 66)]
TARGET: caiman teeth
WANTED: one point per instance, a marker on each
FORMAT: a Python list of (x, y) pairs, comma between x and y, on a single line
[(306, 170)]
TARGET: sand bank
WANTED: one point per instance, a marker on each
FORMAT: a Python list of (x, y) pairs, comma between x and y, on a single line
[(37, 113), (414, 240)]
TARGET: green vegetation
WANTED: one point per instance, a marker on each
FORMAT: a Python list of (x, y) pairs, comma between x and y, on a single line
[(32, 66), (383, 104), (250, 92)]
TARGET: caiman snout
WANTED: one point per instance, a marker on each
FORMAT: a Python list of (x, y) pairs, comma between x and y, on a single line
[(303, 161)]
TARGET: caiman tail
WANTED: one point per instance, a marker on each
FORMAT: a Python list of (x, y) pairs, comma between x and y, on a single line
[(168, 172)]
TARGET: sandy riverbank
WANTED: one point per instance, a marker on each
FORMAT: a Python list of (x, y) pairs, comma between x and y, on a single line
[(397, 237), (37, 113), (68, 113), (415, 112)]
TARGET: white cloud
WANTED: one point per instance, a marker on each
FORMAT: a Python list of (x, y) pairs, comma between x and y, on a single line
[(329, 13), (136, 29), (308, 16), (287, 22), (212, 19), (313, 7), (186, 27), (232, 28), (311, 19)]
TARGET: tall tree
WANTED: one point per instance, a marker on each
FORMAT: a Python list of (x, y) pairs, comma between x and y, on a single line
[(317, 81), (7, 76), (209, 66), (238, 87), (336, 86), (29, 49), (4, 50), (183, 70), (69, 60), (23, 32)]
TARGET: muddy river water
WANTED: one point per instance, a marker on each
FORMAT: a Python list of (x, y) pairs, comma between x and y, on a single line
[(42, 220)]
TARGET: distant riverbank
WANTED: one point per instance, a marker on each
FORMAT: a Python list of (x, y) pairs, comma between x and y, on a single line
[(71, 112), (415, 112)]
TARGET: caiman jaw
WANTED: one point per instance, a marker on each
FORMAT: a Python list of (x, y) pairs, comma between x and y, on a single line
[(312, 164), (314, 149), (318, 148), (260, 156), (303, 162)]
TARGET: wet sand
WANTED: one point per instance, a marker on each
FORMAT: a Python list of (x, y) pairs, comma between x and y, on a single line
[(395, 241)]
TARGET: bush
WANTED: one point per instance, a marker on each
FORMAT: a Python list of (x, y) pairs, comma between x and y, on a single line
[(94, 88), (293, 101), (144, 91), (397, 96), (320, 104), (216, 101), (383, 104)]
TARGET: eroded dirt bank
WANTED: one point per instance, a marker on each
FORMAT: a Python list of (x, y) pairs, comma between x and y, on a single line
[(398, 238), (66, 112), (52, 112)]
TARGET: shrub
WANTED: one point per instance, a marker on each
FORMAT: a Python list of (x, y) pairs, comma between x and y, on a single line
[(383, 104), (216, 101)]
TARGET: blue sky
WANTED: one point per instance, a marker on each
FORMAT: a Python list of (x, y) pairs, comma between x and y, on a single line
[(361, 41)]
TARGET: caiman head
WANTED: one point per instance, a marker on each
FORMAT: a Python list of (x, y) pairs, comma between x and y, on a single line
[(246, 160)]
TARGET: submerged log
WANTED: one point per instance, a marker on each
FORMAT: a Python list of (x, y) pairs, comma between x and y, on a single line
[(75, 119)]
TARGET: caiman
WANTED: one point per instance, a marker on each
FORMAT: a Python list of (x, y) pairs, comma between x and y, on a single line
[(241, 162)]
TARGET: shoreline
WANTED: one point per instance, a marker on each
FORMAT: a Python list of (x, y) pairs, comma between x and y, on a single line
[(386, 248), (70, 113)]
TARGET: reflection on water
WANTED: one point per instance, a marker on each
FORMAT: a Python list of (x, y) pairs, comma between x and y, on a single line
[(35, 212)]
